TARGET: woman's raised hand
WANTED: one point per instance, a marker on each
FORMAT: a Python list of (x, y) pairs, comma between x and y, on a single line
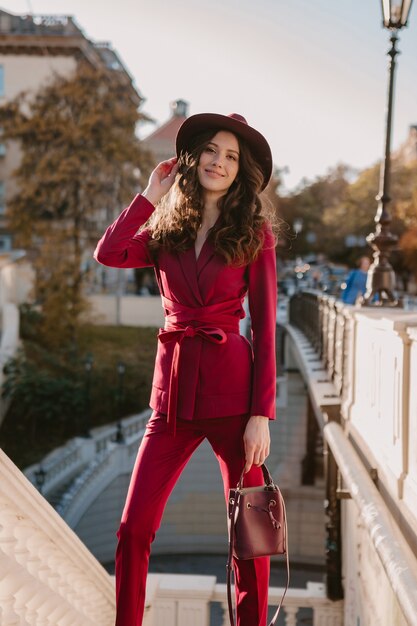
[(161, 180)]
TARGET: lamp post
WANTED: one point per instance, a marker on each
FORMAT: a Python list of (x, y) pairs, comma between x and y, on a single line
[(121, 369), (380, 283), (88, 366)]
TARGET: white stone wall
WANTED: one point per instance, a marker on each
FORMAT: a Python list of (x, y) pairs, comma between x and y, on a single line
[(369, 598), (131, 310), (380, 410), (410, 481), (16, 281)]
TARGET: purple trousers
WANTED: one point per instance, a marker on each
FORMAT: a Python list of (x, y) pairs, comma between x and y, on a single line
[(160, 461)]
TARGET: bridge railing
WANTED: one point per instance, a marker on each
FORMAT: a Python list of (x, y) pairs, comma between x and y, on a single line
[(75, 457), (47, 575), (184, 600), (369, 356)]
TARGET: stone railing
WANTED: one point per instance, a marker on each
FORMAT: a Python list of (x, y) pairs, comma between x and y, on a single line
[(368, 357), (47, 576), (184, 600), (129, 310), (80, 454)]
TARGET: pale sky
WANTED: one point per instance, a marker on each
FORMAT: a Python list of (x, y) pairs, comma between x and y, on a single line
[(311, 75)]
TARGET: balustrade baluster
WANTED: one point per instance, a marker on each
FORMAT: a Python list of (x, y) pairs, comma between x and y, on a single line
[(328, 616), (9, 584), (56, 614), (290, 615), (225, 613), (28, 598)]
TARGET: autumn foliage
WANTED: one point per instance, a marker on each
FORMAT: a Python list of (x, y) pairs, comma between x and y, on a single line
[(343, 203), (81, 161)]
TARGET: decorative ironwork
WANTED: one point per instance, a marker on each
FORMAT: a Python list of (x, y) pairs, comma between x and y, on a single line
[(380, 284)]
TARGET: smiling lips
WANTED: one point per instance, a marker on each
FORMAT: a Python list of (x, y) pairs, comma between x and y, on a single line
[(214, 174)]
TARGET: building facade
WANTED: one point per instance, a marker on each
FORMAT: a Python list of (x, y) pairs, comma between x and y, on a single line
[(33, 50)]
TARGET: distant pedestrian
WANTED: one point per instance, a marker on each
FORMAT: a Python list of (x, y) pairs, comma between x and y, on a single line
[(356, 281), (210, 244)]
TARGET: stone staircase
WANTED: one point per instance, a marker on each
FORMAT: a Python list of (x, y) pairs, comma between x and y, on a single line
[(87, 482), (49, 578)]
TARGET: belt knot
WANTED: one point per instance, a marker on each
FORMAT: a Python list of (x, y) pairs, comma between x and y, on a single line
[(189, 331)]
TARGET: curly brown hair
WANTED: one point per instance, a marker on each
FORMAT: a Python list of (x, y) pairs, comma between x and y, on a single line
[(238, 235)]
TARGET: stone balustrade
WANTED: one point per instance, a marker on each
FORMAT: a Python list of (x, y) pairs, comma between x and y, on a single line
[(184, 600), (369, 357), (377, 408), (47, 576), (78, 456)]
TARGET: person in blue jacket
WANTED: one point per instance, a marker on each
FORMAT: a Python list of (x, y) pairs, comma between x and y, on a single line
[(356, 281)]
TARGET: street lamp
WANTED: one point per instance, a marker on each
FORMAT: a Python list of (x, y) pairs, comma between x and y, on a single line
[(121, 369), (380, 283), (395, 13)]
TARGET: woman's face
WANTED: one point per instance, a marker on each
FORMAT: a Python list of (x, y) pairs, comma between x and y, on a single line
[(219, 163)]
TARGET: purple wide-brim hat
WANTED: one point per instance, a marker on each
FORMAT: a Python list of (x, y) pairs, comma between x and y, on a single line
[(235, 124)]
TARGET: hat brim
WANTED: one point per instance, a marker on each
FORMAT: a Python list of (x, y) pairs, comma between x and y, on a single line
[(257, 143)]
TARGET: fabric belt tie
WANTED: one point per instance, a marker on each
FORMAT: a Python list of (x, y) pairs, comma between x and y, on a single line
[(176, 329)]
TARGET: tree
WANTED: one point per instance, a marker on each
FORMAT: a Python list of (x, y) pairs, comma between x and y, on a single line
[(355, 214), (335, 206), (309, 203), (81, 160), (407, 211)]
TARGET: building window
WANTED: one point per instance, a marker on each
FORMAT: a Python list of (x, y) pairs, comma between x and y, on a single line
[(5, 243), (2, 80)]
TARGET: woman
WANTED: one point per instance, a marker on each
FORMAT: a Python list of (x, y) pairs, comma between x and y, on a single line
[(209, 244)]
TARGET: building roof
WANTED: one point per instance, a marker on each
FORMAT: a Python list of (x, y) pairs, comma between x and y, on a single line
[(168, 131), (59, 35), (162, 140)]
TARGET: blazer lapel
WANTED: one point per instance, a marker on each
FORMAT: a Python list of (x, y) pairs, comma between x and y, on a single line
[(209, 264), (189, 268), (205, 256)]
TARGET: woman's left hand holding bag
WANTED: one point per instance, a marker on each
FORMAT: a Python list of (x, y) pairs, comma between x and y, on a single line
[(256, 440)]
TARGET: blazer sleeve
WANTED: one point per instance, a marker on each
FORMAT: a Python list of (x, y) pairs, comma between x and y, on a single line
[(121, 244), (262, 290)]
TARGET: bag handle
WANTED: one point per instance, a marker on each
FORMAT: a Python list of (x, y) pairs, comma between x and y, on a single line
[(229, 566), (268, 480)]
